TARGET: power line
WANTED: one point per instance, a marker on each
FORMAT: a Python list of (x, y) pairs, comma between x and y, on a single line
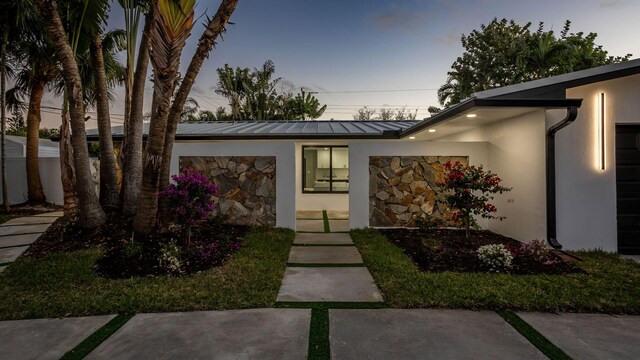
[(373, 91)]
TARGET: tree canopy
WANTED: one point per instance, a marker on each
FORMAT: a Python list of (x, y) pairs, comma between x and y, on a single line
[(504, 53), (385, 114), (256, 95)]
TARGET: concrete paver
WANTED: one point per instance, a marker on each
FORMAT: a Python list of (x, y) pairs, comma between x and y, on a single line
[(309, 214), (325, 255), (310, 225), (425, 334), (328, 284), (339, 225), (338, 214), (46, 338), (22, 229), (323, 239), (12, 253), (53, 214), (590, 336), (30, 220), (14, 240), (240, 334)]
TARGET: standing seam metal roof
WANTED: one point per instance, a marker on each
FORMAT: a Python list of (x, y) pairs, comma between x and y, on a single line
[(278, 128)]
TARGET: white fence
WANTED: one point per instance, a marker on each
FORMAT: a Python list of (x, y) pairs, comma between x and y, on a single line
[(49, 175)]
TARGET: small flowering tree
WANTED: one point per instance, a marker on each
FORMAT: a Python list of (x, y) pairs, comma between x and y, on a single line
[(190, 198), (470, 190)]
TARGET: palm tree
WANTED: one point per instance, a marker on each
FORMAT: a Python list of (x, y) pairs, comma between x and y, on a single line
[(109, 191), (172, 26), (167, 32), (132, 142), (91, 213)]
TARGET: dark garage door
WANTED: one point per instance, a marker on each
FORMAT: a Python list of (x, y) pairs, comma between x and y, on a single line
[(628, 188)]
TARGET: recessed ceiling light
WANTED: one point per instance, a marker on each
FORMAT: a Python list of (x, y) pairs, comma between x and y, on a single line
[(471, 115), (432, 130), (412, 137)]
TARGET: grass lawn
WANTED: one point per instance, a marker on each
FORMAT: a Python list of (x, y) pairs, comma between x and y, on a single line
[(5, 217), (612, 285), (63, 284)]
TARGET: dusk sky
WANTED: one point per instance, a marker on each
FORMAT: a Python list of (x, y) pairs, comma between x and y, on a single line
[(351, 52)]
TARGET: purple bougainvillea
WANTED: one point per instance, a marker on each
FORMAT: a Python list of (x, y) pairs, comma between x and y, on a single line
[(190, 198)]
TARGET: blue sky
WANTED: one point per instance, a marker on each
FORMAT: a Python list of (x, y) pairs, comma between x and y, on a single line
[(330, 46)]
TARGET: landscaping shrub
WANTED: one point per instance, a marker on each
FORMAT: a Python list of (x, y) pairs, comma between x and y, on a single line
[(190, 199), (495, 257), (469, 190)]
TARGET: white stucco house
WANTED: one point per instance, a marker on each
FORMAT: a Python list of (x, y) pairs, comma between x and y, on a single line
[(568, 145)]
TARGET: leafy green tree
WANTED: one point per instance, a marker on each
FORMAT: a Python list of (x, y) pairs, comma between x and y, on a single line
[(385, 114), (256, 95), (504, 53)]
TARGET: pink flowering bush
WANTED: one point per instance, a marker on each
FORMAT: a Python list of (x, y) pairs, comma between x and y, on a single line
[(471, 188), (190, 198)]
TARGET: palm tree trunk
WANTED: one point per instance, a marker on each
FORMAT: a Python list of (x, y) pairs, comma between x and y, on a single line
[(34, 184), (145, 219), (215, 27), (91, 213), (132, 174), (67, 170), (109, 192), (3, 120)]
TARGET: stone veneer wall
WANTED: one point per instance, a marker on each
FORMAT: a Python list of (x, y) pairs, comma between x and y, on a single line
[(247, 186), (404, 188)]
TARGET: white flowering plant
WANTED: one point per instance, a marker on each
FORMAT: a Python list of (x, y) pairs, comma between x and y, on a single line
[(496, 257), (170, 257)]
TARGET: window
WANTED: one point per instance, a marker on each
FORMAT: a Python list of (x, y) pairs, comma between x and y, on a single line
[(325, 169)]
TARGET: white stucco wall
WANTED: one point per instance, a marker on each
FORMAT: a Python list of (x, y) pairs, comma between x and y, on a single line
[(586, 202), (359, 153), (49, 177), (285, 167), (516, 152)]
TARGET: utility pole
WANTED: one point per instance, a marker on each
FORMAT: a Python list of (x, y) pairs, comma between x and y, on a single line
[(302, 104)]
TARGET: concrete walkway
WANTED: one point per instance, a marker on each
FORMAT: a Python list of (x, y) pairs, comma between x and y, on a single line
[(17, 234), (326, 267), (353, 334)]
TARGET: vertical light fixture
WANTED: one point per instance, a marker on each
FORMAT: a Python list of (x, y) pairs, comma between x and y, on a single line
[(601, 132)]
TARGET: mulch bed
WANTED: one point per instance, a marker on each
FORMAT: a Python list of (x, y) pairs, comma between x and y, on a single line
[(438, 250), (212, 242)]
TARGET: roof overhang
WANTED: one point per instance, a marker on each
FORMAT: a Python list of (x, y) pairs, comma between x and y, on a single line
[(504, 108)]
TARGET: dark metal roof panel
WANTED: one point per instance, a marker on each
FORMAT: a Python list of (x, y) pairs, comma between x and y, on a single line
[(277, 129)]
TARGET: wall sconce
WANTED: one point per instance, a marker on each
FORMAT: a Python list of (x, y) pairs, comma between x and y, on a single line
[(601, 132)]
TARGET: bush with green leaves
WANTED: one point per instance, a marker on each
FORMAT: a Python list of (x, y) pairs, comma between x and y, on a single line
[(496, 257), (469, 192)]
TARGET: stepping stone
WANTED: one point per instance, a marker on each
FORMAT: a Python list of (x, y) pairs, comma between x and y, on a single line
[(240, 334), (425, 334), (11, 254), (309, 214), (338, 215), (328, 284), (323, 239), (30, 220), (590, 336), (46, 338), (23, 229), (54, 214), (339, 225), (324, 255), (310, 225), (14, 240)]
